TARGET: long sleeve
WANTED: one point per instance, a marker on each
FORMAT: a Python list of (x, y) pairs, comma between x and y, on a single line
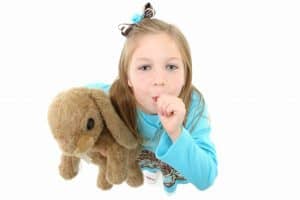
[(192, 154)]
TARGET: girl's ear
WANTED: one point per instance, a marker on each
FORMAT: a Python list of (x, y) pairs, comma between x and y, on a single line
[(129, 83)]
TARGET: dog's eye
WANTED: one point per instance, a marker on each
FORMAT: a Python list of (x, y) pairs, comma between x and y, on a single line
[(90, 124)]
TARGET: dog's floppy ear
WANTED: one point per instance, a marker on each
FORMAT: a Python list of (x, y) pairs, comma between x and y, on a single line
[(115, 125)]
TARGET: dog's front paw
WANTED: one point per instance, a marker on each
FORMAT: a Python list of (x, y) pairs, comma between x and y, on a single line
[(67, 172), (68, 167), (116, 177)]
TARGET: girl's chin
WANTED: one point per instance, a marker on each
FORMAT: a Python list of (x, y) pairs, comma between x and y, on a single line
[(151, 111)]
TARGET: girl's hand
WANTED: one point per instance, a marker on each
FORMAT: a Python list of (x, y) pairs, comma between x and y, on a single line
[(171, 111)]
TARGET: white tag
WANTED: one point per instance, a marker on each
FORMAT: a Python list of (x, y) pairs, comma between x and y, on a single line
[(151, 177)]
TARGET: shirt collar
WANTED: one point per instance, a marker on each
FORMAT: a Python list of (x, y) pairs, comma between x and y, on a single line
[(153, 119)]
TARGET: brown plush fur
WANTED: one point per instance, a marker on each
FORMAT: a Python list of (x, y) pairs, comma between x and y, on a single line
[(85, 124)]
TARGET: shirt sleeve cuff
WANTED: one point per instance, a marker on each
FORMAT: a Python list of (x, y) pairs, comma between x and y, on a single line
[(167, 150)]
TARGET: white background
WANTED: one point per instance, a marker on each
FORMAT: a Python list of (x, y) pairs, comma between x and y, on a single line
[(246, 60)]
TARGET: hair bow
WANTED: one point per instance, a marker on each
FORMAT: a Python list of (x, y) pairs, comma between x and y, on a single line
[(148, 12)]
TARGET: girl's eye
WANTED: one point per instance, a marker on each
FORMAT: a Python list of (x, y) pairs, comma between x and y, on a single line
[(144, 67), (171, 67)]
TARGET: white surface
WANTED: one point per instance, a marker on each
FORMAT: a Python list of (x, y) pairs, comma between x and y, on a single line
[(246, 57)]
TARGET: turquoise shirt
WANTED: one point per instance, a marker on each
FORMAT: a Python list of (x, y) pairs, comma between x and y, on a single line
[(190, 159)]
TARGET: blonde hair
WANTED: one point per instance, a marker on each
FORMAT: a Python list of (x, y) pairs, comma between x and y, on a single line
[(121, 94)]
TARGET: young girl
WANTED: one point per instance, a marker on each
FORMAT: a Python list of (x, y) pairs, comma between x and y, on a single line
[(155, 97)]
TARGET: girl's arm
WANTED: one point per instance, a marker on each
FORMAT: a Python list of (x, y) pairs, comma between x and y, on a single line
[(192, 154)]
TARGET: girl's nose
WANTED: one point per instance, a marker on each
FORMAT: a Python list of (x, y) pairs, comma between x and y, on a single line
[(159, 83), (159, 78)]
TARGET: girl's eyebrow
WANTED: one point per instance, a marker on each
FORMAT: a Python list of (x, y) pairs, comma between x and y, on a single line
[(174, 58), (143, 59)]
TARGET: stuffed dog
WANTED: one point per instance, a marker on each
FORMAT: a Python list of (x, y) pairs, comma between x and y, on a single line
[(85, 124)]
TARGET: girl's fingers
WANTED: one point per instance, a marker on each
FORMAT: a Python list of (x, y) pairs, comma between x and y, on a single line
[(169, 110), (160, 108), (166, 109), (165, 105), (160, 104)]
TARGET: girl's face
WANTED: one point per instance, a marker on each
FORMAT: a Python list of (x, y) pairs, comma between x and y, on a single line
[(156, 68)]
